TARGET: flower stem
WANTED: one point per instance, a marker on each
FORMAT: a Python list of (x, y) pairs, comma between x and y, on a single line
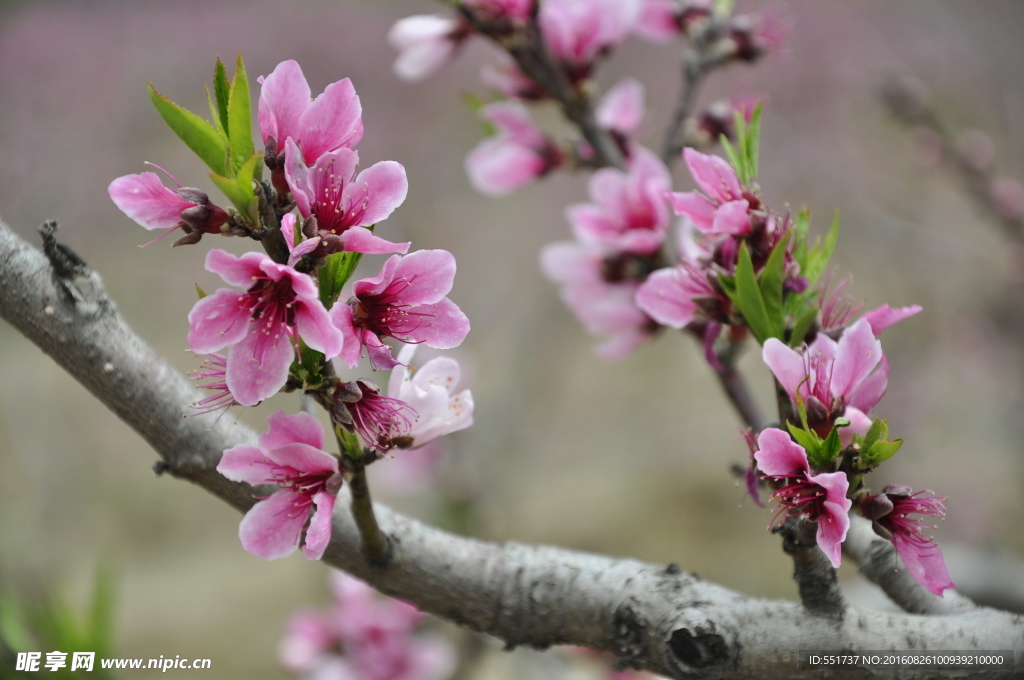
[(376, 547)]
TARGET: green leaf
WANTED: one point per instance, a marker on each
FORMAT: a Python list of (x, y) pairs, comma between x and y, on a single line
[(879, 430), (734, 158), (802, 223), (879, 452), (215, 115), (239, 117), (728, 284), (807, 439), (311, 362), (752, 143), (772, 277), (333, 276), (199, 291), (238, 196), (818, 258), (802, 325), (832, 445), (198, 135), (749, 299), (222, 90)]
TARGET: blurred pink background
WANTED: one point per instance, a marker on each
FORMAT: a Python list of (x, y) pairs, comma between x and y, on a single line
[(629, 458)]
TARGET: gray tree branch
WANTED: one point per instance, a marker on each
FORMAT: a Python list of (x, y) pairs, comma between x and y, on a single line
[(661, 619)]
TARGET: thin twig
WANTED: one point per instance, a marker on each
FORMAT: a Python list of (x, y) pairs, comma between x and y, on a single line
[(376, 546), (535, 59), (706, 56), (736, 389)]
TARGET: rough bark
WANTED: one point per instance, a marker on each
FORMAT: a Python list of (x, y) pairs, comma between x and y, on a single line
[(652, 617)]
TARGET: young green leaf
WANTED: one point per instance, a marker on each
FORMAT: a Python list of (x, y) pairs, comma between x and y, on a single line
[(200, 292), (335, 274), (748, 298), (807, 439), (251, 171), (879, 431), (734, 158), (818, 258), (831, 446), (754, 140), (802, 325), (222, 90), (311, 361), (772, 278), (215, 115), (239, 125), (238, 196), (198, 135), (879, 452)]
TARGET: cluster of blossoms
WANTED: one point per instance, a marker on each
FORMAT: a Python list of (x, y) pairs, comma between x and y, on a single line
[(736, 269), (363, 636), (286, 318), (576, 35)]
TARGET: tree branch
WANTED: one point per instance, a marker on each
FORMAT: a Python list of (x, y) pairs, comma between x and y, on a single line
[(660, 619), (697, 64), (534, 58)]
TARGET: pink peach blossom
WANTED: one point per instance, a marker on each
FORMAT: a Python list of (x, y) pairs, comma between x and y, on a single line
[(670, 295), (833, 376), (886, 316), (424, 43), (723, 208), (604, 308), (578, 31), (285, 111), (514, 157), (363, 637), (923, 559), (345, 203), (821, 498), (622, 108), (289, 455), (260, 326), (145, 199), (659, 21), (407, 301), (378, 420), (629, 210)]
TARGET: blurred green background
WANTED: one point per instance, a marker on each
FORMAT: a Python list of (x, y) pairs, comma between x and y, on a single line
[(629, 458)]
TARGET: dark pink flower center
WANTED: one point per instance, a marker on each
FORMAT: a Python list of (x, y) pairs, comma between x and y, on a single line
[(898, 522), (799, 497), (329, 205), (380, 419), (271, 304), (819, 384), (385, 314)]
